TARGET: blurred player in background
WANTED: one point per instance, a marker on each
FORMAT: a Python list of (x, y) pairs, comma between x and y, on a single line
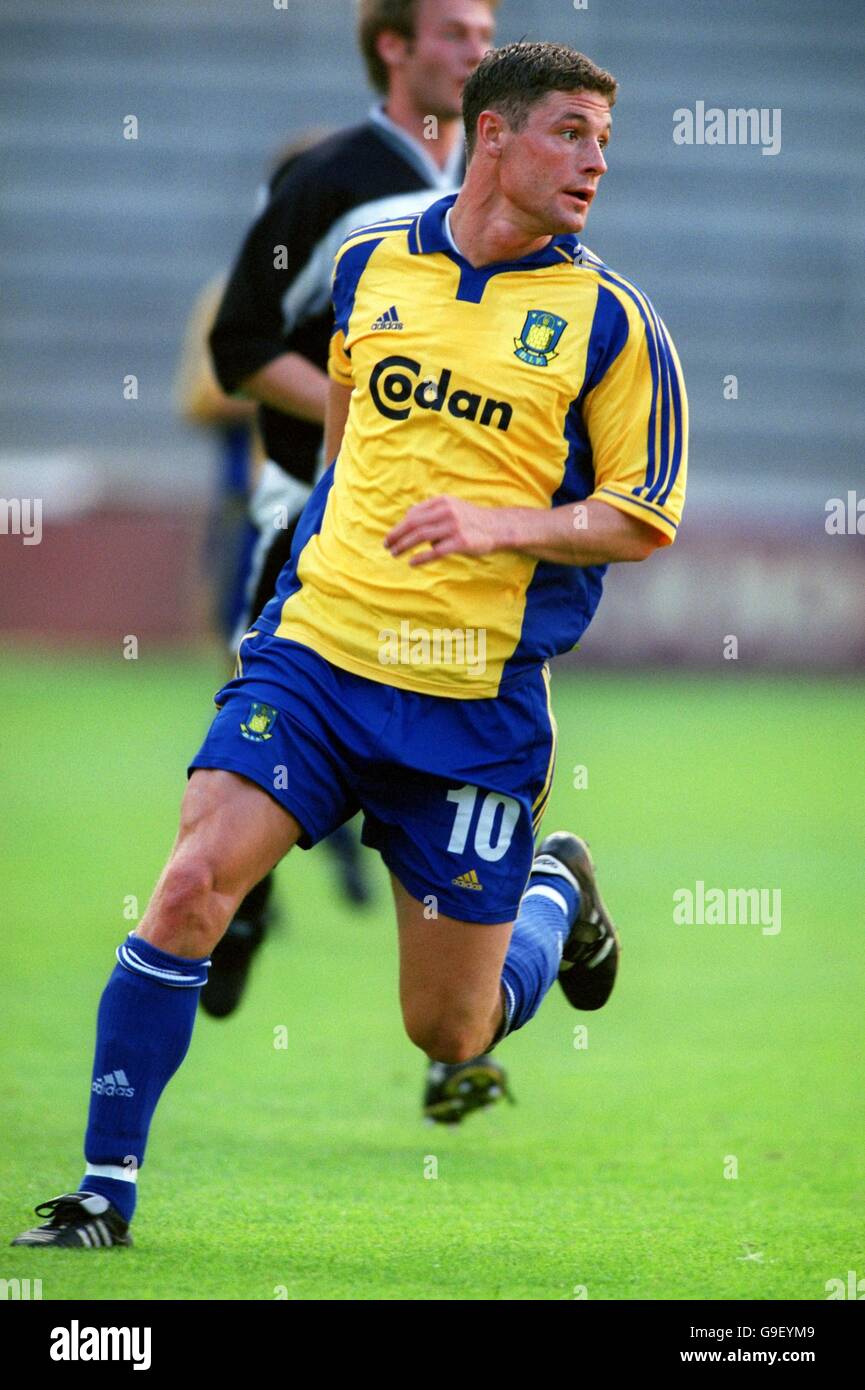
[(230, 420), (270, 339), (527, 429)]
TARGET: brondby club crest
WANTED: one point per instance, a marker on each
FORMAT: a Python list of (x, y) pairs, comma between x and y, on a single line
[(259, 722), (541, 333)]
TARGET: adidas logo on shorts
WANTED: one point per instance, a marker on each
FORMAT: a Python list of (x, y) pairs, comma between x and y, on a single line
[(388, 320), (469, 880), (114, 1083)]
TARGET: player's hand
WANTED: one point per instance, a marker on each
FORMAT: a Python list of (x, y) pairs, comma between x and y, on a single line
[(451, 526)]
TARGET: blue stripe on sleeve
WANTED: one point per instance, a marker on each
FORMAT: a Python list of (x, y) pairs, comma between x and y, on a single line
[(678, 438), (345, 282), (607, 337), (664, 373), (636, 502), (655, 368)]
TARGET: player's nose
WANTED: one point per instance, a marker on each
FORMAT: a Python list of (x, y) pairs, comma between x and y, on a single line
[(593, 161), (476, 47)]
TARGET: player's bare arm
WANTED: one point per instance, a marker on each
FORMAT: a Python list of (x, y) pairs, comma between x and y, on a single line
[(594, 533), (291, 383)]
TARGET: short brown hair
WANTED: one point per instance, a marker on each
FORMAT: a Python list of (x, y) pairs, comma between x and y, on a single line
[(513, 79), (374, 17)]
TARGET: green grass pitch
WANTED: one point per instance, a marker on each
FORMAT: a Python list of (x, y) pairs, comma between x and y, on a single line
[(300, 1172)]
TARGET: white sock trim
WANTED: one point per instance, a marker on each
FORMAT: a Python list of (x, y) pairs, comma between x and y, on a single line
[(509, 1012), (543, 890), (549, 864), (112, 1170)]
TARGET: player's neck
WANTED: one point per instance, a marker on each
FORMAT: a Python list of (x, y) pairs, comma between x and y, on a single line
[(417, 124), (487, 230)]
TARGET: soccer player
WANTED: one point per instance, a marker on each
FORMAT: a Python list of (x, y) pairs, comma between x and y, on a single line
[(522, 428), (271, 335)]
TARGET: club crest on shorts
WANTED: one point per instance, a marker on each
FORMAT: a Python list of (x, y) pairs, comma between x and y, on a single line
[(541, 333), (259, 722)]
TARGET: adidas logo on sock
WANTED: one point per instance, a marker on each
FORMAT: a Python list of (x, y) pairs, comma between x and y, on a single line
[(469, 880), (388, 320), (114, 1083)]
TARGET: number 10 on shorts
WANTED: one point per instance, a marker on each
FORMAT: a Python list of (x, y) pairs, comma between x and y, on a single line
[(465, 798)]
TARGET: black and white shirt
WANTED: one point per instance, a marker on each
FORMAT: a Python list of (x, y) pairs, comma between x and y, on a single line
[(278, 296)]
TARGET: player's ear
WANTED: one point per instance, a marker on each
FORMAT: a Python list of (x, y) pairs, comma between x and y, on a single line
[(490, 132), (392, 48)]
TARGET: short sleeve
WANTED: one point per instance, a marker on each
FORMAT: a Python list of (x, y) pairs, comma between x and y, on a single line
[(350, 264), (636, 416), (338, 361)]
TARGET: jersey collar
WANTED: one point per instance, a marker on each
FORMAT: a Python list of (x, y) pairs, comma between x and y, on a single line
[(414, 153), (430, 234)]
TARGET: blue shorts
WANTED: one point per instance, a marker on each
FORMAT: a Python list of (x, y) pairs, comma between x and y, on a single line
[(452, 791)]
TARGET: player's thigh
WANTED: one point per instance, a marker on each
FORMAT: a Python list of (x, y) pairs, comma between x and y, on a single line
[(449, 970), (238, 827)]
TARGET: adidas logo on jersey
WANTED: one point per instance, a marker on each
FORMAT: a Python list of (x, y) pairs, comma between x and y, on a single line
[(113, 1083), (388, 320), (469, 880)]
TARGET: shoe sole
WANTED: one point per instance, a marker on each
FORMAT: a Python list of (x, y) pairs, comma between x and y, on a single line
[(117, 1244), (473, 1089)]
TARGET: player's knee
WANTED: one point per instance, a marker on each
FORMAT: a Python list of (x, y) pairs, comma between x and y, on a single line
[(443, 1039), (186, 896)]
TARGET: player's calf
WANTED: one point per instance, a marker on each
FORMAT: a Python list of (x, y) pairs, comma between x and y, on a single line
[(451, 998), (450, 980)]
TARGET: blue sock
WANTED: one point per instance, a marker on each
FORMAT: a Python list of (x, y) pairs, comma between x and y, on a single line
[(548, 908), (143, 1031)]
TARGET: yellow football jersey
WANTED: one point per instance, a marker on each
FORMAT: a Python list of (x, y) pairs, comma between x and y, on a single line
[(531, 383)]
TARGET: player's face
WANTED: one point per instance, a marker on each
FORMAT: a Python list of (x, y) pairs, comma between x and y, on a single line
[(451, 38), (550, 170)]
